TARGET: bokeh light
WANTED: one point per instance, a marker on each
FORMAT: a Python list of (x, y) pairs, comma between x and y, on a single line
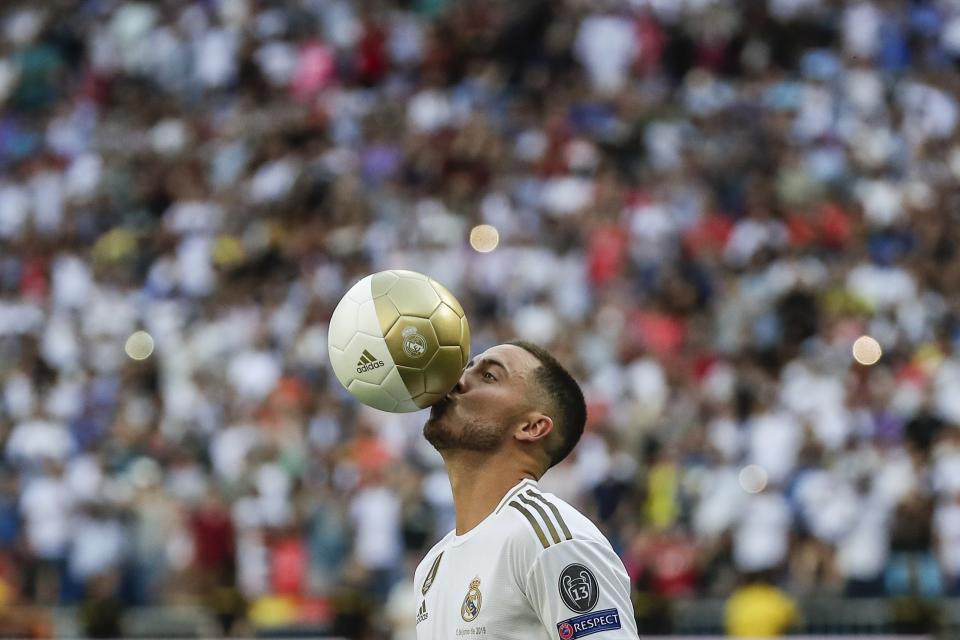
[(484, 238), (753, 478), (139, 345), (866, 350)]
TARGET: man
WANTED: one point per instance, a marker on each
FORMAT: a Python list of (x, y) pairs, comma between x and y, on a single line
[(521, 564)]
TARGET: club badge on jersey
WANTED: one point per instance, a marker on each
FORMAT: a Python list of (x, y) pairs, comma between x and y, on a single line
[(470, 608), (578, 588)]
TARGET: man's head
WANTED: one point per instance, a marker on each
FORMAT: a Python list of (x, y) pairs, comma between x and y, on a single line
[(512, 395)]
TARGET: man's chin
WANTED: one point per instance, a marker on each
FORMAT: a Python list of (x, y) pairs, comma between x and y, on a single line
[(436, 433)]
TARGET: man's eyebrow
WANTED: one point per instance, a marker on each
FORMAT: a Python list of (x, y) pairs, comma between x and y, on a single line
[(489, 361)]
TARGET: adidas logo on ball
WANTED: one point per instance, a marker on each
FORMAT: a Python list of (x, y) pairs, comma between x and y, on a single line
[(368, 363)]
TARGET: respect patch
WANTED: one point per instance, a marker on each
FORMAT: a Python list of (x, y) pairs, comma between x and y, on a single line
[(588, 624)]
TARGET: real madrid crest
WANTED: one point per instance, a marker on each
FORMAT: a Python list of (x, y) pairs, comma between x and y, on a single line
[(414, 344), (470, 608)]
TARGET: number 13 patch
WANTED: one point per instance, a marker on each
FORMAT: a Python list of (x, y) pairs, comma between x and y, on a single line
[(578, 588)]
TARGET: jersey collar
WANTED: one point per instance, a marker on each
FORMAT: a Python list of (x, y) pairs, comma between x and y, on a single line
[(456, 540)]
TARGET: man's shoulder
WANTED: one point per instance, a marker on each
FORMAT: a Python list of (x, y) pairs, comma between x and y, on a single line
[(541, 520)]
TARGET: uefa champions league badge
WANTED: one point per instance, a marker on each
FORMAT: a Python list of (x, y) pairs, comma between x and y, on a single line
[(414, 344), (578, 588)]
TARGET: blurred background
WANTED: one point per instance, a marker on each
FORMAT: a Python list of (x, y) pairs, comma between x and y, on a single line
[(697, 205)]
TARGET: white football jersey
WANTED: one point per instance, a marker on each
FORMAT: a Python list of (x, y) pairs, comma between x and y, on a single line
[(535, 568)]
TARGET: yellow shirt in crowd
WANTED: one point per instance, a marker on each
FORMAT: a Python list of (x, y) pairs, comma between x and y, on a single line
[(759, 611)]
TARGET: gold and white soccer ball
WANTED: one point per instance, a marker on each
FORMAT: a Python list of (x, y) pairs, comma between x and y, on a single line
[(398, 341)]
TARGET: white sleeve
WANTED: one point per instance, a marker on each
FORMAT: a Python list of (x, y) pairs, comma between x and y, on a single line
[(580, 588)]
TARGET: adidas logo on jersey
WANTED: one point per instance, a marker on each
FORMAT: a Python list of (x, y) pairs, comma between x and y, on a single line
[(422, 613), (368, 362)]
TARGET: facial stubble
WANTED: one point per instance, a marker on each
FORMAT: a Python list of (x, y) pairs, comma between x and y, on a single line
[(474, 434)]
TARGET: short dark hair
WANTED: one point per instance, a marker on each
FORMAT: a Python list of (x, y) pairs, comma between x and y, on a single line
[(564, 396)]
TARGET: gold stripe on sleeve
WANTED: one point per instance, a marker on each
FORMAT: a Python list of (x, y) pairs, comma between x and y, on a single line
[(513, 493), (533, 523), (431, 575), (556, 512), (543, 514)]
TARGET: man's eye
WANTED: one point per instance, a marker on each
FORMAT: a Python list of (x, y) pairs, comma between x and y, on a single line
[(489, 376)]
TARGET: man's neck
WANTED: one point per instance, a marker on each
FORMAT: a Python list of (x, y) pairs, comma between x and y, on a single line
[(478, 486)]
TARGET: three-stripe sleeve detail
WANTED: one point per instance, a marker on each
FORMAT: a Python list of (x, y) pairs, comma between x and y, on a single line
[(533, 523), (515, 491), (556, 513), (543, 514), (551, 519)]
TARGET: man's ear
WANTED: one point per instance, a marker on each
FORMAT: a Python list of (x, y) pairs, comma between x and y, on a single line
[(537, 427)]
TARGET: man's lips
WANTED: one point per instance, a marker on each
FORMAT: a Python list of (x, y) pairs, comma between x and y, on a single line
[(440, 407)]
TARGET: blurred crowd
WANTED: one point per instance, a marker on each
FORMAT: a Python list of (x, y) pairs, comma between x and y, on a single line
[(700, 205)]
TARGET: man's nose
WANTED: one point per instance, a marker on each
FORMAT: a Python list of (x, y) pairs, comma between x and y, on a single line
[(461, 385)]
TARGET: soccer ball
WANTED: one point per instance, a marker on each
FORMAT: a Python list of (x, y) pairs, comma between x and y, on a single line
[(398, 341)]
